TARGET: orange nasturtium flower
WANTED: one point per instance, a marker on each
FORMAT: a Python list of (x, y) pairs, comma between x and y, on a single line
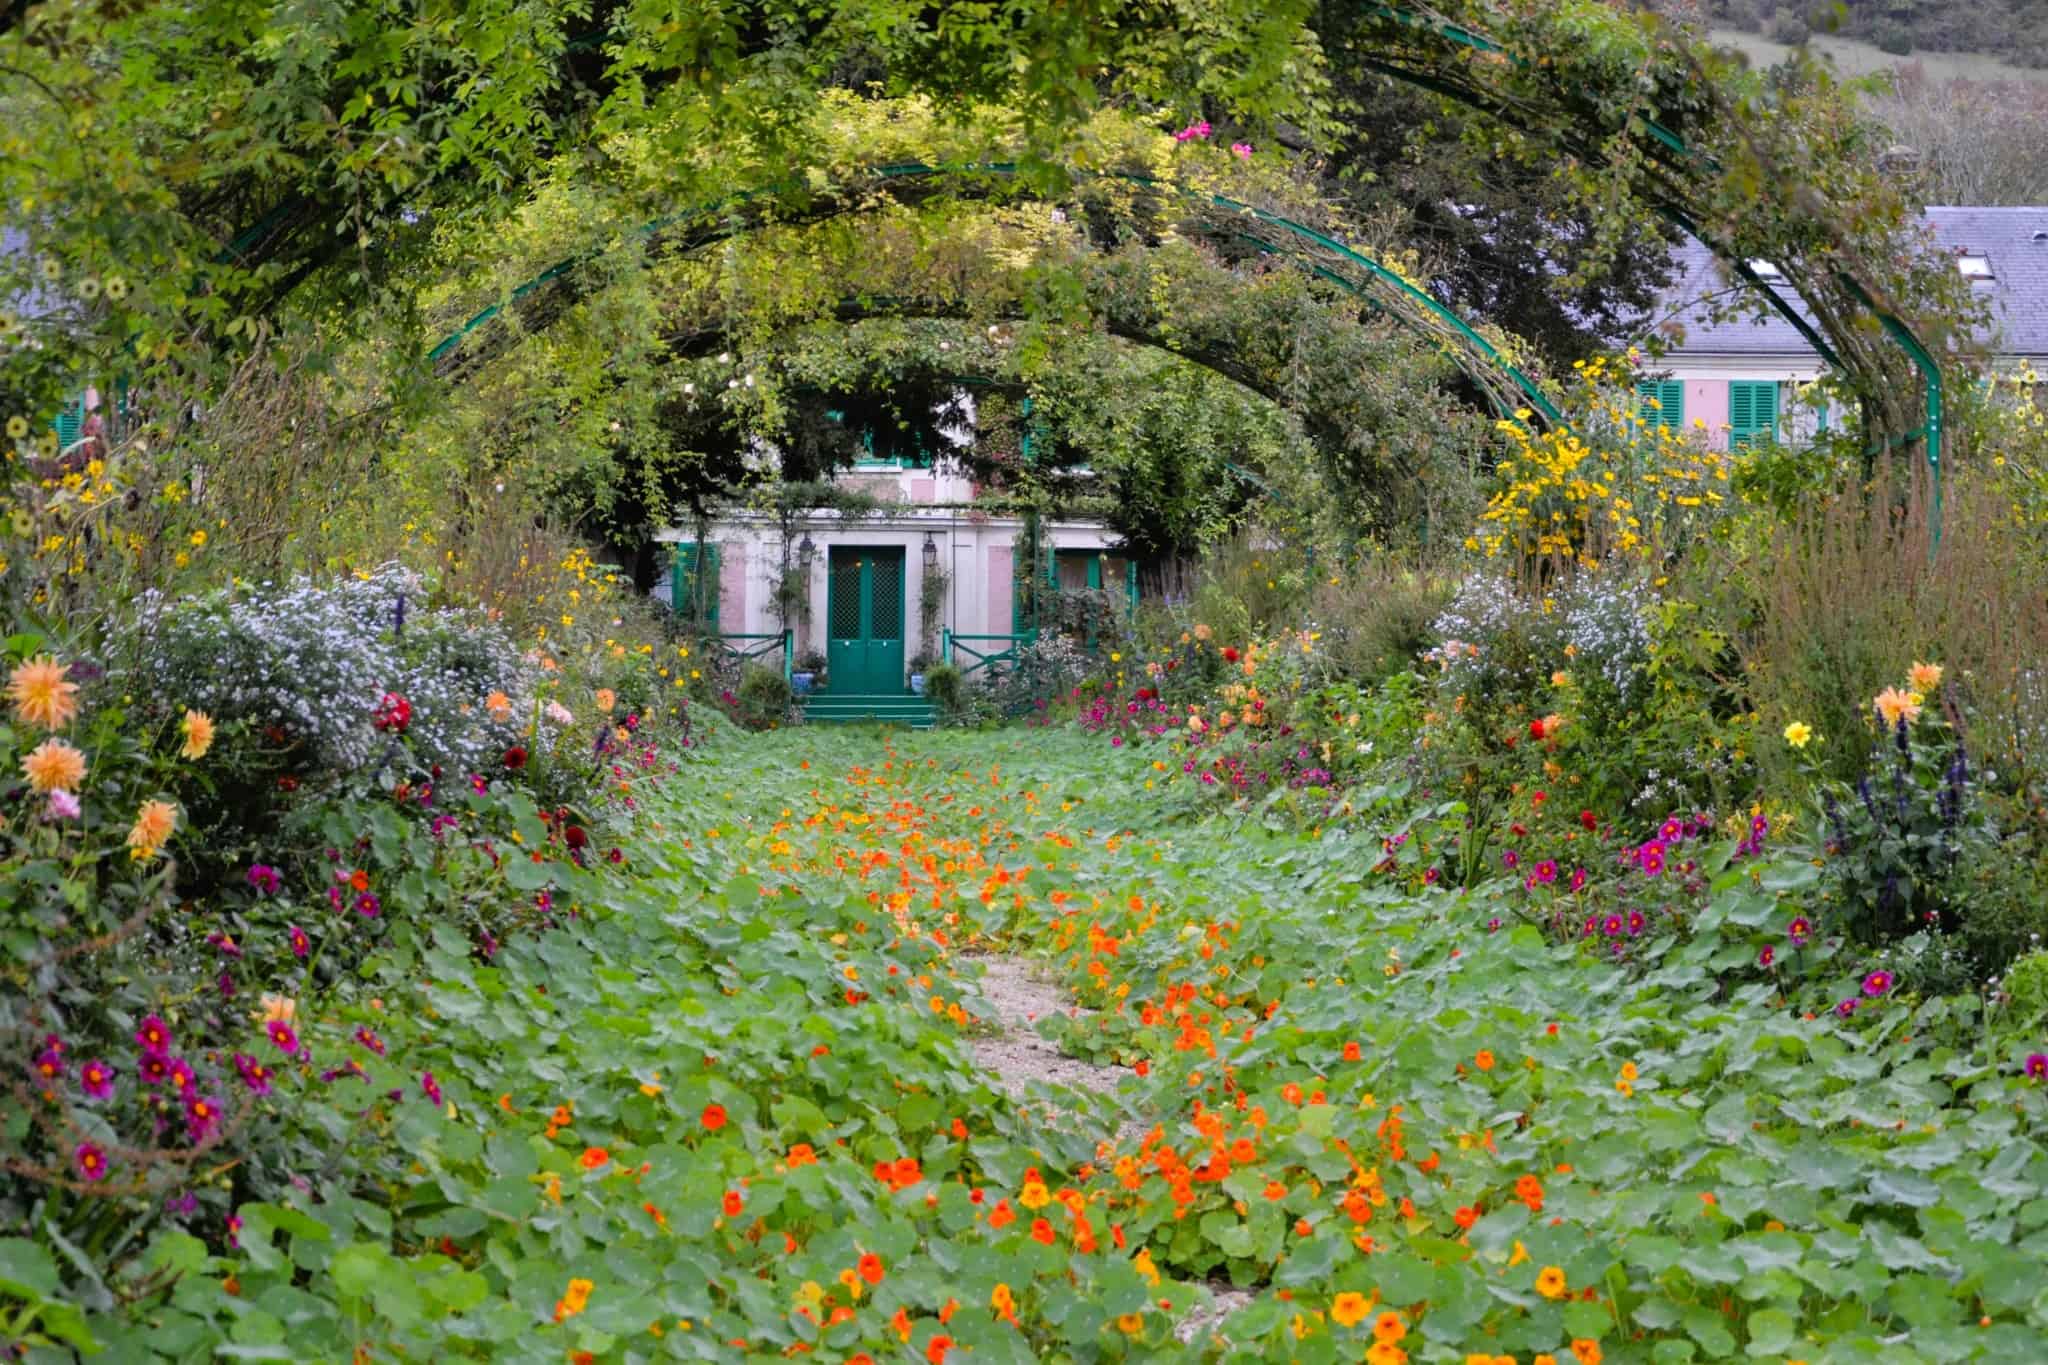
[(714, 1116), (1587, 1351), (732, 1203), (594, 1157), (1550, 1282), (1389, 1327), (1349, 1309), (572, 1302), (1483, 1059), (871, 1268)]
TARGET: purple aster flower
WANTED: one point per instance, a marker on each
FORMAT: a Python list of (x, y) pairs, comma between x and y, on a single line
[(1511, 860), (283, 1038), (1671, 831), (1650, 857), (1578, 879), (370, 1040), (1546, 871), (154, 1068), (50, 1064), (335, 899), (301, 945), (254, 1074), (153, 1035), (1877, 983), (180, 1075), (1493, 925), (181, 1205), (1798, 931), (63, 806), (202, 1116), (2037, 1065), (90, 1160), (1637, 922), (367, 905), (235, 1230), (227, 946), (1768, 956), (1846, 1008), (96, 1078), (430, 1087), (1615, 926), (264, 879)]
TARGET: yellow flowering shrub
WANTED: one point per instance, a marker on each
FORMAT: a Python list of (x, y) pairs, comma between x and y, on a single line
[(1609, 485)]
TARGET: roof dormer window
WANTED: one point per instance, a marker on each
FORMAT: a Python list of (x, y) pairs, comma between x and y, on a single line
[(1974, 266)]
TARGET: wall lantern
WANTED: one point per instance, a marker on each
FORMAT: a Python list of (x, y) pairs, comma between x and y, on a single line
[(931, 553)]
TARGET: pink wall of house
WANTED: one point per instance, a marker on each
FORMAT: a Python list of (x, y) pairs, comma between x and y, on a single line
[(997, 622), (1706, 401), (732, 584)]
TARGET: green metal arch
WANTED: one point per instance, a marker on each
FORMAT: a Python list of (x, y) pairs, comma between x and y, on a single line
[(1669, 146), (1660, 143), (1378, 274)]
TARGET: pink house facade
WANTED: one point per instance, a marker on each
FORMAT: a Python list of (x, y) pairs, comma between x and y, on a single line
[(1747, 378)]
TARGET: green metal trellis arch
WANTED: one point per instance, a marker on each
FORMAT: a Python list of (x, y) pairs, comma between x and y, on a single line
[(1419, 303), (1659, 142)]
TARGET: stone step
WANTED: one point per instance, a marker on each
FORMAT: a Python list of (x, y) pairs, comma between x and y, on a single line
[(853, 708)]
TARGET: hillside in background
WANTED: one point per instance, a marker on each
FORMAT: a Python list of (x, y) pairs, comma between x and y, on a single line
[(2011, 31)]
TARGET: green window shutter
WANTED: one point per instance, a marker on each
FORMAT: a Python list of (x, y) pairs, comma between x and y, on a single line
[(1752, 411), (1661, 403), (683, 584), (70, 424)]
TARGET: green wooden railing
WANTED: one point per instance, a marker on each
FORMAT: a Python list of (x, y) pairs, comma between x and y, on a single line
[(989, 652), (745, 647)]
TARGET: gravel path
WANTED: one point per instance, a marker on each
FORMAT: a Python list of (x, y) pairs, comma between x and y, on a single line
[(1018, 1057)]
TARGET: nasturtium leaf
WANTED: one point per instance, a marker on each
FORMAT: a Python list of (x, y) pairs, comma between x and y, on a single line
[(1770, 1331)]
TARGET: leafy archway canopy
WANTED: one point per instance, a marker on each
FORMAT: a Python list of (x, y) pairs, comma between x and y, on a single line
[(227, 162), (694, 330)]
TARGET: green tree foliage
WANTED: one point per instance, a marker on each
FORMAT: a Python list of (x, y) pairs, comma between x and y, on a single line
[(218, 157)]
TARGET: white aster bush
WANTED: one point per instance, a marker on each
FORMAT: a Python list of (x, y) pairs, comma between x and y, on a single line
[(308, 664)]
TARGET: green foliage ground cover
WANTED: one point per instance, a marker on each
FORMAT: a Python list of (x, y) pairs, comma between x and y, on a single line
[(680, 1123)]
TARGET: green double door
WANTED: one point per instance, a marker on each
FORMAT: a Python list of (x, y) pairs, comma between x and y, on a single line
[(864, 619)]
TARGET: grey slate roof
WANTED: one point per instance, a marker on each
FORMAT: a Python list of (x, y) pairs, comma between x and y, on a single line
[(2018, 289)]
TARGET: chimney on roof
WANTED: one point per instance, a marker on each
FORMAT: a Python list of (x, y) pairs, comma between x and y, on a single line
[(1898, 159)]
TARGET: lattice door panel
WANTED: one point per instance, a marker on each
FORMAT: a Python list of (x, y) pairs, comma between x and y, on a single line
[(887, 596), (843, 609)]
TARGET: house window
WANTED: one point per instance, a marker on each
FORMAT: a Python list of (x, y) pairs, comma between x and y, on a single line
[(1974, 267), (1752, 412), (1661, 403), (1765, 271)]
